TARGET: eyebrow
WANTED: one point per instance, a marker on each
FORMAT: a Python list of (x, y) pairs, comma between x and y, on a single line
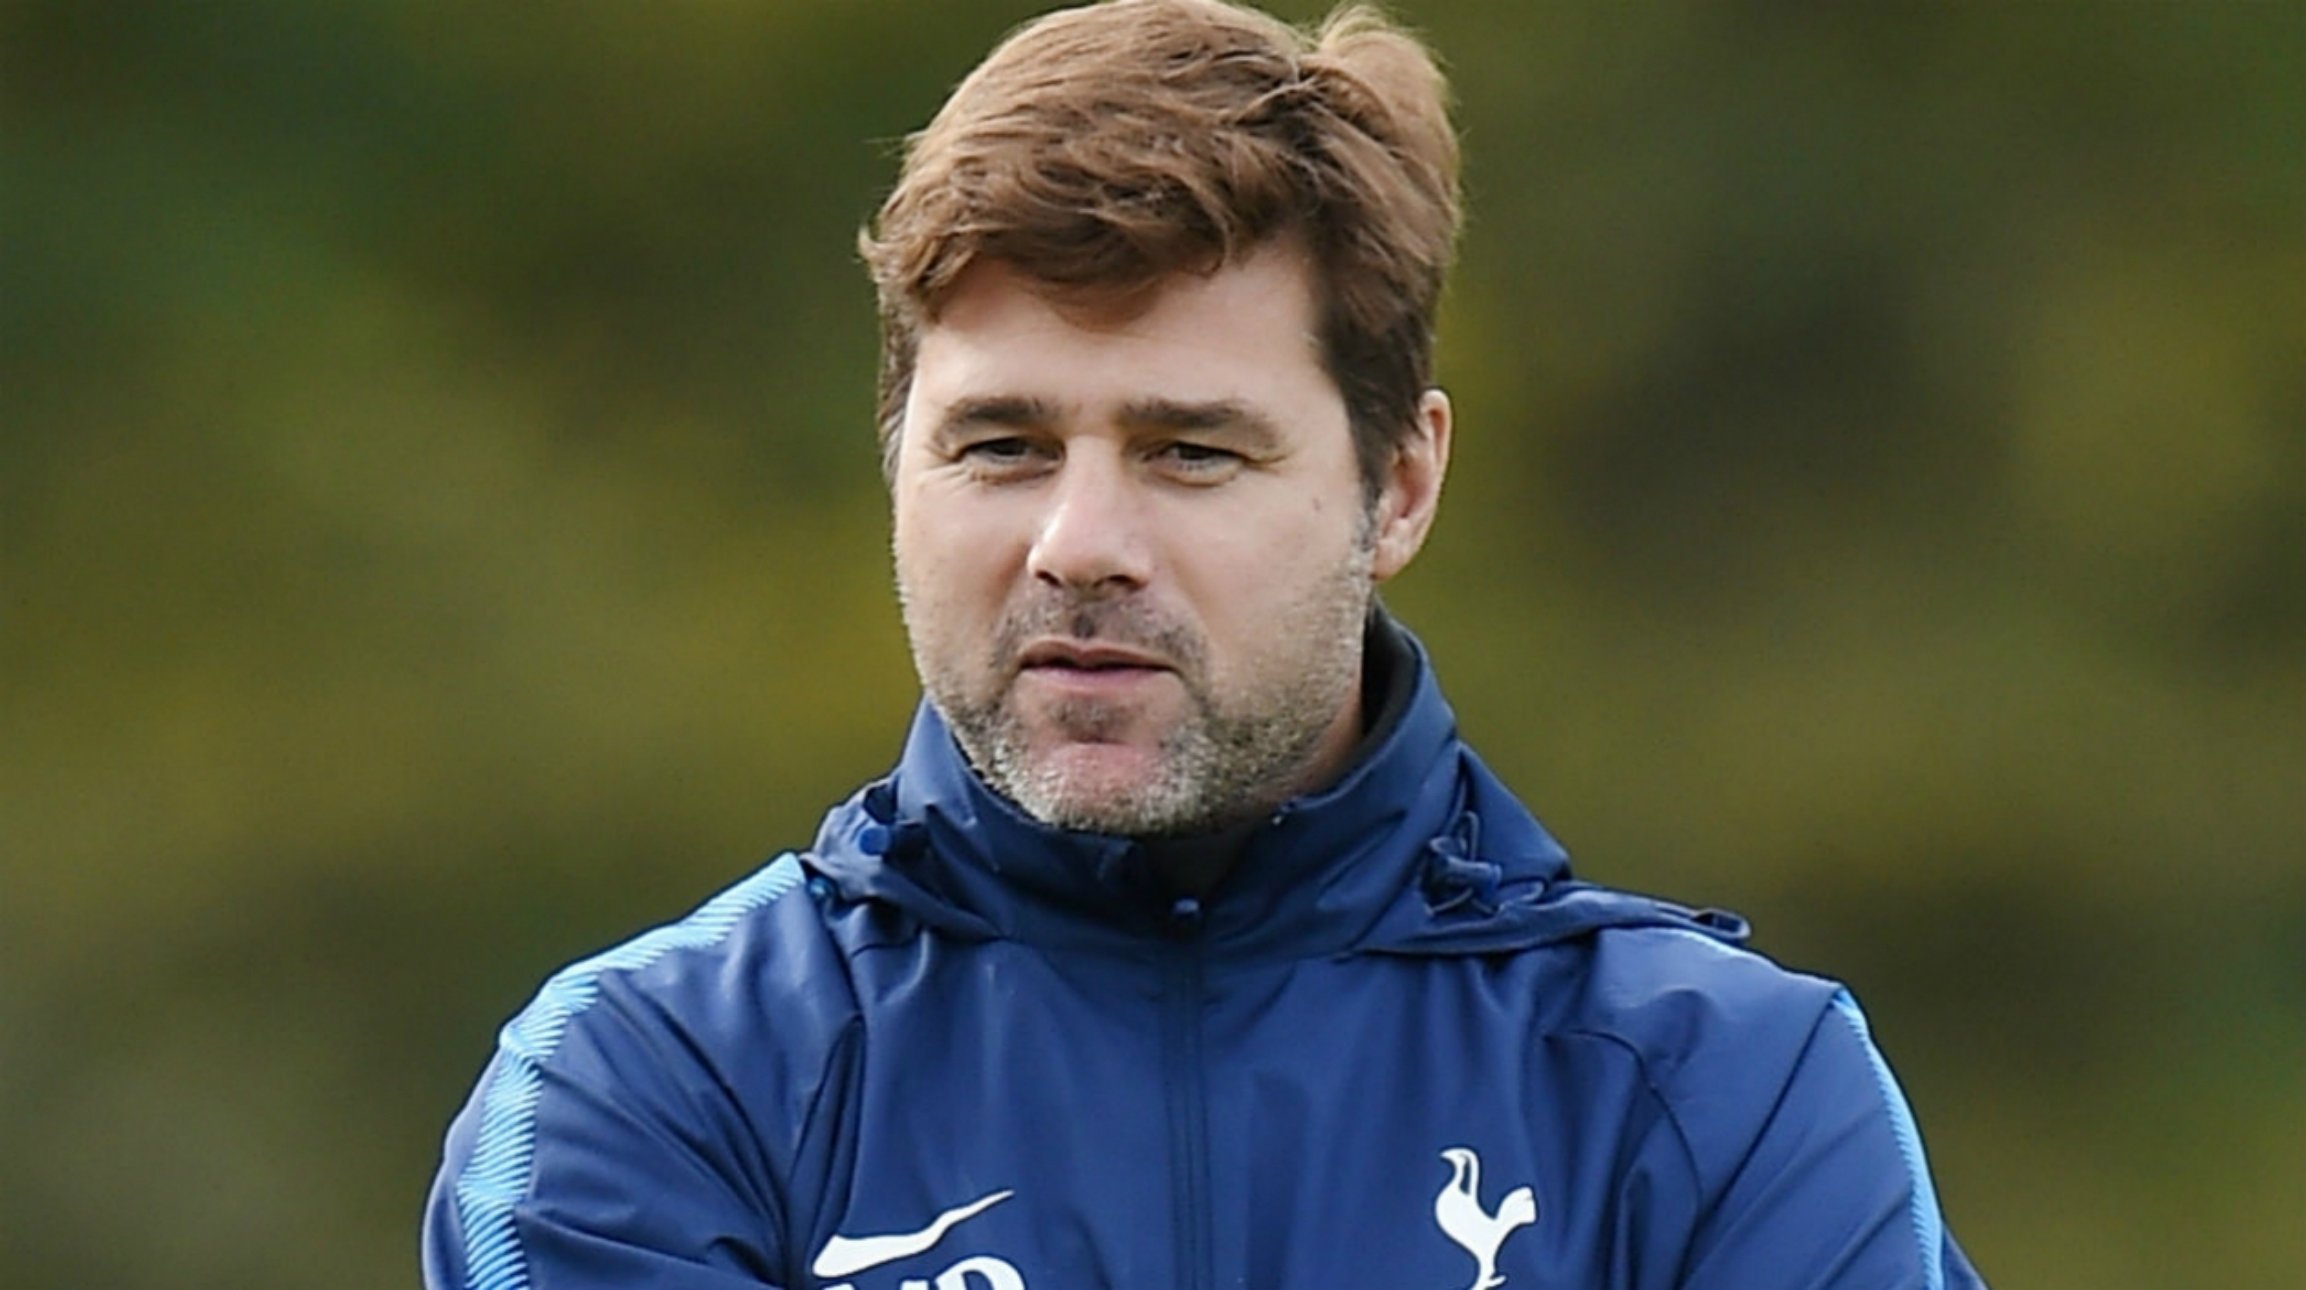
[(1232, 415), (1012, 411), (1025, 412)]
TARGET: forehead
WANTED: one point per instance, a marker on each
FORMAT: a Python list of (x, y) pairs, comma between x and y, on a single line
[(1245, 332)]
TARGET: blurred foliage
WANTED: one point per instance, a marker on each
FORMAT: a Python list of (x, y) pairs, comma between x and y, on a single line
[(439, 534)]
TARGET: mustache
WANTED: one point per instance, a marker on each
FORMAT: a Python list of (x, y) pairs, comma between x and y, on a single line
[(1122, 621)]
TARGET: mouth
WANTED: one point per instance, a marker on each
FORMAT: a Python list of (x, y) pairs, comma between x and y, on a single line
[(1086, 658), (1087, 661)]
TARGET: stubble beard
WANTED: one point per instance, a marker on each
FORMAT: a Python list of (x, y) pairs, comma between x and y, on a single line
[(1229, 756)]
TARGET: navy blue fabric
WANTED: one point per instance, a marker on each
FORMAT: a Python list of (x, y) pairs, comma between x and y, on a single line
[(1399, 1045)]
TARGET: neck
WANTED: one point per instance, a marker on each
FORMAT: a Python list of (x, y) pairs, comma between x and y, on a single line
[(1195, 864)]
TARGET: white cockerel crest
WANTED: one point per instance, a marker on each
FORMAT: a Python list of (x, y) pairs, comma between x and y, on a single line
[(1463, 1220)]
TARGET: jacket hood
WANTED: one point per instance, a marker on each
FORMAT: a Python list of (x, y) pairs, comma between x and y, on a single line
[(1417, 849)]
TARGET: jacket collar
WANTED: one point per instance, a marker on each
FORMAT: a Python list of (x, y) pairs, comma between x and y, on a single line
[(1416, 849)]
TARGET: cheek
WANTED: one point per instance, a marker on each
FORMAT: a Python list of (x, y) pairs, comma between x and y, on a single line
[(952, 573), (1240, 575)]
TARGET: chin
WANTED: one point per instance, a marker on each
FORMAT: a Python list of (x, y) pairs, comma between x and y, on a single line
[(1094, 788), (1096, 772)]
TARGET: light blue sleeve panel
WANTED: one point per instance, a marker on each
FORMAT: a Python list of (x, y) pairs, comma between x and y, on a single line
[(1835, 1191), (581, 1160)]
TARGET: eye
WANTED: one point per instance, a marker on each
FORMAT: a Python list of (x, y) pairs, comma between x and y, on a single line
[(1010, 449), (1198, 461), (1003, 456)]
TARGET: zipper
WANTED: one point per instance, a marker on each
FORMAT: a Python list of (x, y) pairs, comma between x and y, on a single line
[(1185, 1092)]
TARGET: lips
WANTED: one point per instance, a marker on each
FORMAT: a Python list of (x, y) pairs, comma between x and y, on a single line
[(1080, 656), (1073, 670)]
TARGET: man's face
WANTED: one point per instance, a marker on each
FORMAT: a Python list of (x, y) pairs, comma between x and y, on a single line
[(1134, 551)]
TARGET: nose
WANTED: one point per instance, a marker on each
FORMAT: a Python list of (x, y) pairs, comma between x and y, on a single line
[(1092, 535)]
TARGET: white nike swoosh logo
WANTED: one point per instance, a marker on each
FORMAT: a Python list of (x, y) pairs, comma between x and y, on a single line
[(843, 1256)]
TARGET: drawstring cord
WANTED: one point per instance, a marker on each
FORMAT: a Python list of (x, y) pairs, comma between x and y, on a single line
[(1455, 876)]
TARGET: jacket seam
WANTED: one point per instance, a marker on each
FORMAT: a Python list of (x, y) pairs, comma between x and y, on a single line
[(1641, 1064), (1650, 1086)]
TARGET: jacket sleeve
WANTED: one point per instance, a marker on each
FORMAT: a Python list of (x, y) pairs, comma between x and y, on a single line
[(598, 1161), (611, 1142), (1834, 1192)]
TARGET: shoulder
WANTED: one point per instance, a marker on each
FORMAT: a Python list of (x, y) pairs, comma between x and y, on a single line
[(752, 957), (1670, 990), (743, 1000), (1801, 1145), (691, 1050), (1718, 1031), (681, 1063)]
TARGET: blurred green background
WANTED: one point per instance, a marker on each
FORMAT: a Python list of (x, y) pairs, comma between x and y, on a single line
[(440, 535)]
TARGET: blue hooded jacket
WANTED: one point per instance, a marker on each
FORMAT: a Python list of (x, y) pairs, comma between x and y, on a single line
[(1398, 1047)]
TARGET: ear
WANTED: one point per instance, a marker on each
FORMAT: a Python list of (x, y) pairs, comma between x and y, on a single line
[(1411, 494)]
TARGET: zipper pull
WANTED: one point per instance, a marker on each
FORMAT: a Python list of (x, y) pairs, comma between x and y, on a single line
[(1185, 918)]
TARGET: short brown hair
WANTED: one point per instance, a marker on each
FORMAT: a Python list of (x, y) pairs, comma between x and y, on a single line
[(1099, 150)]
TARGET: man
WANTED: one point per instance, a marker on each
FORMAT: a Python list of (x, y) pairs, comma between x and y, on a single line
[(1186, 945)]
